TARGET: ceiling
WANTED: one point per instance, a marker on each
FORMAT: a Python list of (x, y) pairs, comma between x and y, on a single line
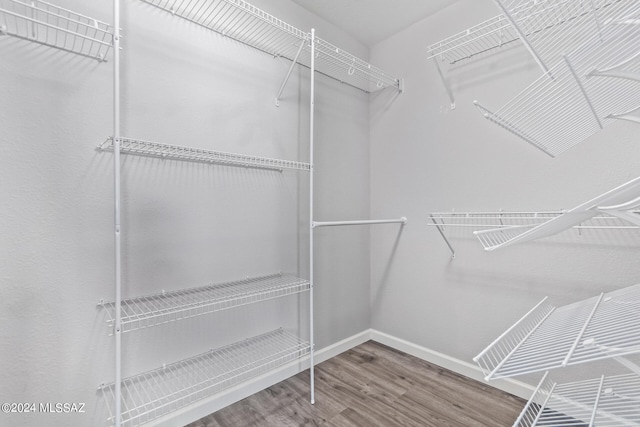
[(371, 21)]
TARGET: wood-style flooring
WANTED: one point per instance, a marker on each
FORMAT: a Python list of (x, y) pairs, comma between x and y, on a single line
[(373, 385)]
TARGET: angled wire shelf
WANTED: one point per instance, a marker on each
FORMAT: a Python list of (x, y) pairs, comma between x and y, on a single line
[(44, 23), (176, 152), (608, 401), (152, 394), (347, 68), (247, 24), (551, 28), (151, 310), (240, 21), (547, 337), (590, 87)]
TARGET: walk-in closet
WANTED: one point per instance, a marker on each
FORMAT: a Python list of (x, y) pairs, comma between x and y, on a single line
[(222, 213)]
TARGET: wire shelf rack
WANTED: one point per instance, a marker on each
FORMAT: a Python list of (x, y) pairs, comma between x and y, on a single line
[(153, 394), (581, 98), (610, 401), (615, 209), (176, 152), (247, 24), (548, 337), (165, 307), (484, 37), (550, 28), (42, 22), (347, 68)]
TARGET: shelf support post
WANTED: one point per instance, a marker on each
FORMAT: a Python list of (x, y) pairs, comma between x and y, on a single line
[(286, 78), (440, 229), (312, 43), (445, 84), (117, 232)]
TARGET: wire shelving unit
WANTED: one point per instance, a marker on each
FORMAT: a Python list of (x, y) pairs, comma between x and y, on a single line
[(165, 307), (177, 152), (248, 24), (612, 401), (152, 394), (586, 90), (615, 209), (606, 326), (147, 396), (44, 23)]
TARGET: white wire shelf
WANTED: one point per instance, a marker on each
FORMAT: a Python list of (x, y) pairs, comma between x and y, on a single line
[(153, 394), (176, 152), (484, 37), (551, 28), (555, 114), (247, 24), (552, 25), (349, 69), (547, 337), (614, 209), (42, 22), (608, 401), (165, 307)]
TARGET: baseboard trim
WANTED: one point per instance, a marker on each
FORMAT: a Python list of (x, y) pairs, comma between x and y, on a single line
[(205, 407), (461, 367)]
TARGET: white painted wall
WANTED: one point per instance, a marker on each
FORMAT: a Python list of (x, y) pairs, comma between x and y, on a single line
[(428, 158), (184, 224)]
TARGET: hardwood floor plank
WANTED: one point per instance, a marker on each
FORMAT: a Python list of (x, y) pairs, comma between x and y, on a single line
[(373, 385)]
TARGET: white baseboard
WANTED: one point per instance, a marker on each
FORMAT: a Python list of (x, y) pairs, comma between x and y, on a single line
[(461, 367), (205, 407)]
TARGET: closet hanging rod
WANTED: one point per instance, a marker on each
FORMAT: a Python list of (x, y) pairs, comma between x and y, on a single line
[(401, 220), (47, 24)]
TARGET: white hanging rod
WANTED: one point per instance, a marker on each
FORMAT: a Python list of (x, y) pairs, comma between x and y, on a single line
[(165, 307), (604, 401), (44, 23), (548, 337), (150, 395), (401, 220), (176, 152), (248, 24)]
